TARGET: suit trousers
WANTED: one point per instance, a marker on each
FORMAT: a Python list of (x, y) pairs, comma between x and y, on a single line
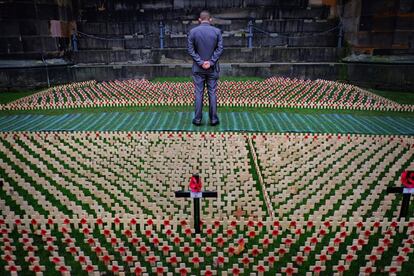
[(201, 80)]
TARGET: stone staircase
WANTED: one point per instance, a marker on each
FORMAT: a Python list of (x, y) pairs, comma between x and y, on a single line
[(119, 39), (284, 32)]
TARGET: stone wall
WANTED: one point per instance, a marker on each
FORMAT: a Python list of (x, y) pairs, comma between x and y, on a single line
[(230, 55), (380, 27), (381, 76), (32, 29)]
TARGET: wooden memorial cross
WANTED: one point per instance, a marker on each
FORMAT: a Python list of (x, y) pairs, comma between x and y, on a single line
[(196, 194), (406, 198), (196, 204), (407, 179)]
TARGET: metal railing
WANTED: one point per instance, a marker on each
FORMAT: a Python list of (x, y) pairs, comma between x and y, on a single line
[(249, 33)]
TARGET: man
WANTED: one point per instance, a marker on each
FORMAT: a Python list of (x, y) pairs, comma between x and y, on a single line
[(205, 45)]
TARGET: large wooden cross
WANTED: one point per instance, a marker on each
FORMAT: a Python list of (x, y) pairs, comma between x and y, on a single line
[(406, 192), (196, 202)]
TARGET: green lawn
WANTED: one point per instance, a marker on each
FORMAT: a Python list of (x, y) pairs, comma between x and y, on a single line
[(396, 96), (6, 97)]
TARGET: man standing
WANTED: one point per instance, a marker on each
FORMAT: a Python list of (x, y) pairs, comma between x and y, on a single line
[(205, 45)]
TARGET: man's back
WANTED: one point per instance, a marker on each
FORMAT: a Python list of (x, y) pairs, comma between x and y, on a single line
[(205, 43), (205, 40), (205, 46)]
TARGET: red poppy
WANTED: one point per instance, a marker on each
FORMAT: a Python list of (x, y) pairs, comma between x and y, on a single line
[(89, 268), (271, 259), (323, 258), (220, 241), (143, 249), (380, 250), (114, 241), (331, 249), (151, 259), (37, 269), (407, 179), (195, 184), (307, 249), (196, 260), (275, 232), (220, 260), (317, 269), (393, 269), (341, 268), (183, 271), (12, 268), (236, 271), (261, 268), (91, 241), (173, 260), (155, 241), (289, 271), (186, 249), (386, 241), (115, 268), (106, 259), (197, 241), (63, 269), (188, 231), (176, 240), (299, 260), (245, 260), (165, 248), (349, 258)]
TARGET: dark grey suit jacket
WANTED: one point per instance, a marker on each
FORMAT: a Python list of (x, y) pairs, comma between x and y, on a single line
[(205, 43)]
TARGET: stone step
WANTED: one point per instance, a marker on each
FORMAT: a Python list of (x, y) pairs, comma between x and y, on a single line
[(184, 26), (192, 14), (161, 5), (180, 55), (32, 44), (37, 10), (180, 41)]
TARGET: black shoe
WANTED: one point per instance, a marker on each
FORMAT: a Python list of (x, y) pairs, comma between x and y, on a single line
[(196, 123), (215, 123)]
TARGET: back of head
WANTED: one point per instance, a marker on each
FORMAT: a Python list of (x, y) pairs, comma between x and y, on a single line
[(205, 16)]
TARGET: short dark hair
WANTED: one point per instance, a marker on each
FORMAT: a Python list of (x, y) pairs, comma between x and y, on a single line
[(205, 15)]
